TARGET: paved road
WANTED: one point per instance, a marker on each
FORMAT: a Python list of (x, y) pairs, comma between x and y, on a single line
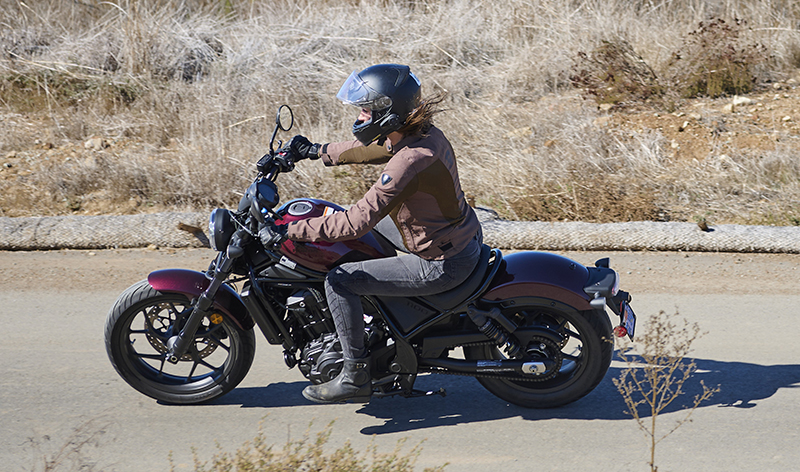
[(55, 378)]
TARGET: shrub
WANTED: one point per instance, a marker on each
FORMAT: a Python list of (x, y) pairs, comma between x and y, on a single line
[(308, 454), (715, 60), (613, 73), (655, 379)]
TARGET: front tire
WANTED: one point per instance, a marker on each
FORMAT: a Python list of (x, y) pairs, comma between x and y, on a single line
[(585, 353), (137, 329)]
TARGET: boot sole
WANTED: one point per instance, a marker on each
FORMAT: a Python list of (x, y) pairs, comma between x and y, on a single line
[(344, 400)]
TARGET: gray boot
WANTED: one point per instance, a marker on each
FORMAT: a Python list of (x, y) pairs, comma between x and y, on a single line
[(353, 384)]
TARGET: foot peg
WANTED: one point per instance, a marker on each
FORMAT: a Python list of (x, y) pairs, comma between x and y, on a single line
[(411, 394)]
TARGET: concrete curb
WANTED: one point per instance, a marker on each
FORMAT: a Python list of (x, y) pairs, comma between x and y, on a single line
[(188, 230)]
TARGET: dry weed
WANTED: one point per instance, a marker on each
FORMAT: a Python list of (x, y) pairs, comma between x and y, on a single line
[(309, 453), (656, 376), (185, 93)]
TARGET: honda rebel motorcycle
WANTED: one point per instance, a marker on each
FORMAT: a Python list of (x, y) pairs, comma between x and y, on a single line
[(531, 326)]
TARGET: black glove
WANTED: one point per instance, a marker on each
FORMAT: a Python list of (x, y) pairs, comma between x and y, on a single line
[(302, 148), (271, 234)]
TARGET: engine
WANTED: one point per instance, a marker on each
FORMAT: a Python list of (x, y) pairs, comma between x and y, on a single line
[(320, 358)]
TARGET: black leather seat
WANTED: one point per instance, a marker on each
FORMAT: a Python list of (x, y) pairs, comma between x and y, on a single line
[(452, 298)]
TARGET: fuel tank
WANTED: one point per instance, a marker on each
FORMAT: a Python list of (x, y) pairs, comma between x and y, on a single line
[(323, 256)]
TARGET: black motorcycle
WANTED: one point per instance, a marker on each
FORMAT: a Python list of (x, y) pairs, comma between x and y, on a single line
[(531, 326)]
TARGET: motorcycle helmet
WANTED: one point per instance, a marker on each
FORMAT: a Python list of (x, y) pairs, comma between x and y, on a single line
[(389, 91)]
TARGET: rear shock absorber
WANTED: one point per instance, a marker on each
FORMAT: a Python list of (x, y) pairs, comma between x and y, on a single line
[(488, 323)]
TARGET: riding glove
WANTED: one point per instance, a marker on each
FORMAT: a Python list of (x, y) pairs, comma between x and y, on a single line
[(302, 148), (271, 234)]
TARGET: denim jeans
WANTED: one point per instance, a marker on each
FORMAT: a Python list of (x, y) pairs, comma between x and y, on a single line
[(404, 275)]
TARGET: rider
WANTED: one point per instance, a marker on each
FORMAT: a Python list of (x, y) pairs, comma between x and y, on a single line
[(419, 189)]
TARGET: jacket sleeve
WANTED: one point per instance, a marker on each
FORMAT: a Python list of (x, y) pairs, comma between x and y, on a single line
[(394, 185), (353, 152)]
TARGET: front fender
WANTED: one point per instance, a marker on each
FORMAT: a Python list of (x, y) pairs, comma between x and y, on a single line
[(541, 274), (192, 283)]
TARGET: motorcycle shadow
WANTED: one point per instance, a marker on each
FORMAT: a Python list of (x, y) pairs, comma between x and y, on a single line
[(741, 386)]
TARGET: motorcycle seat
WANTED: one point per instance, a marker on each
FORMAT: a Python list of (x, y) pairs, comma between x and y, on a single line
[(452, 298)]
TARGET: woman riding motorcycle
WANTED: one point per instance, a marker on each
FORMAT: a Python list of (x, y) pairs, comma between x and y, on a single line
[(419, 189)]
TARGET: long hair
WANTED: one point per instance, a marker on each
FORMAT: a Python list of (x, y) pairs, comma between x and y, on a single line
[(420, 119)]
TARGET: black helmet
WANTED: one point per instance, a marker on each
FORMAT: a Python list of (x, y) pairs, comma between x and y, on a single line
[(389, 91)]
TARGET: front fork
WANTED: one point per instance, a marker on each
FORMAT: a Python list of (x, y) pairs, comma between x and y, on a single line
[(179, 344)]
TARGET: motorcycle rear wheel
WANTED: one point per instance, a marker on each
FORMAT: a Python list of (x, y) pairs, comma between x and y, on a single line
[(137, 329), (586, 355)]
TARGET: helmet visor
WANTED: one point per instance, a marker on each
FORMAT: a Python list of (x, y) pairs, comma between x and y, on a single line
[(356, 92)]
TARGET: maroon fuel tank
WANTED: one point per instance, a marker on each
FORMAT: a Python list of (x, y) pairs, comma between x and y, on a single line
[(541, 274), (323, 256), (192, 283)]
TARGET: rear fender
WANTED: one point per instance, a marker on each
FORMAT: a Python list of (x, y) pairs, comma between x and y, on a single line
[(192, 283), (542, 275)]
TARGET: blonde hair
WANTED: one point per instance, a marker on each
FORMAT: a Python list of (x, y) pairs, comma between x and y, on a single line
[(420, 119)]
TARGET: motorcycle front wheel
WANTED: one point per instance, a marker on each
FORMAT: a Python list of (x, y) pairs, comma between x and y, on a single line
[(583, 356), (137, 330)]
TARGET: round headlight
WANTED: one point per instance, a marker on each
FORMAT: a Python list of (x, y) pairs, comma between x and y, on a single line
[(220, 228)]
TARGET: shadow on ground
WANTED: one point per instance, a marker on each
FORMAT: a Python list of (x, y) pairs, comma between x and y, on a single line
[(741, 386)]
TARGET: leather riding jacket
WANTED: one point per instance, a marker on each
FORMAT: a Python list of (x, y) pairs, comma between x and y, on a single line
[(419, 188)]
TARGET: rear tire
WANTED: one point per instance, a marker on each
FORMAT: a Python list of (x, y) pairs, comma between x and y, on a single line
[(586, 354), (137, 329)]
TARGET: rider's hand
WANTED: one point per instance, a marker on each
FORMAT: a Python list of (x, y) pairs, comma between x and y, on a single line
[(302, 148), (271, 234)]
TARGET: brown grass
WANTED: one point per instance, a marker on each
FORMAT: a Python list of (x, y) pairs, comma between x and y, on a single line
[(184, 93)]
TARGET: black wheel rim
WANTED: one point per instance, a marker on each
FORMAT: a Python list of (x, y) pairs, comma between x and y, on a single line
[(572, 348), (143, 339)]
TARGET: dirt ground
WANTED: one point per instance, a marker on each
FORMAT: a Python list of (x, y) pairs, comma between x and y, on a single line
[(641, 272), (766, 119), (762, 120)]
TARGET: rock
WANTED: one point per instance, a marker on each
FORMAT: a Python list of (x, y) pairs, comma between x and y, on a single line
[(786, 119), (11, 155), (683, 126), (777, 86), (606, 106), (739, 101), (728, 108), (96, 144), (602, 121)]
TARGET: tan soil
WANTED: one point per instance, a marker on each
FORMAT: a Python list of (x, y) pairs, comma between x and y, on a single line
[(641, 272)]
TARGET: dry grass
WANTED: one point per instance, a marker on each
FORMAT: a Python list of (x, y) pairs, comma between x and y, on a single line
[(185, 92)]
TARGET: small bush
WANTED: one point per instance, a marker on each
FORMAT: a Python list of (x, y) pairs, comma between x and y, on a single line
[(309, 454), (614, 73), (715, 60), (655, 378)]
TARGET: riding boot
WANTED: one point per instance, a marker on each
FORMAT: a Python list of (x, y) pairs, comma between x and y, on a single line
[(353, 384)]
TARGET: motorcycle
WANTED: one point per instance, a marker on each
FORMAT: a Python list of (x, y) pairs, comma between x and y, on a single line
[(530, 326)]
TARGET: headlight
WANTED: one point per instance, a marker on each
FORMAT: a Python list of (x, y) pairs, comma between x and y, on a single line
[(220, 228)]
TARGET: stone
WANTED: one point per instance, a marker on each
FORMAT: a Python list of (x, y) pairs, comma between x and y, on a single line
[(95, 144)]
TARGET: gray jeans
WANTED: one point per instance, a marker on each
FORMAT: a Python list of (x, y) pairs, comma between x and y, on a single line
[(404, 275)]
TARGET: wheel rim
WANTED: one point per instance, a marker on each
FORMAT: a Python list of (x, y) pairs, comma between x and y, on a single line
[(572, 348), (206, 363)]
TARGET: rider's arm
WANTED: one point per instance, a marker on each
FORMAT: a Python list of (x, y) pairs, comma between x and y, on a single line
[(353, 152), (397, 182)]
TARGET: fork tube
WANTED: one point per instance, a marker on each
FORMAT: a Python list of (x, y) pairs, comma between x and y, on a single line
[(178, 345)]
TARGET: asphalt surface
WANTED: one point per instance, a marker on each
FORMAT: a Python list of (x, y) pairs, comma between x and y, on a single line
[(57, 385)]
